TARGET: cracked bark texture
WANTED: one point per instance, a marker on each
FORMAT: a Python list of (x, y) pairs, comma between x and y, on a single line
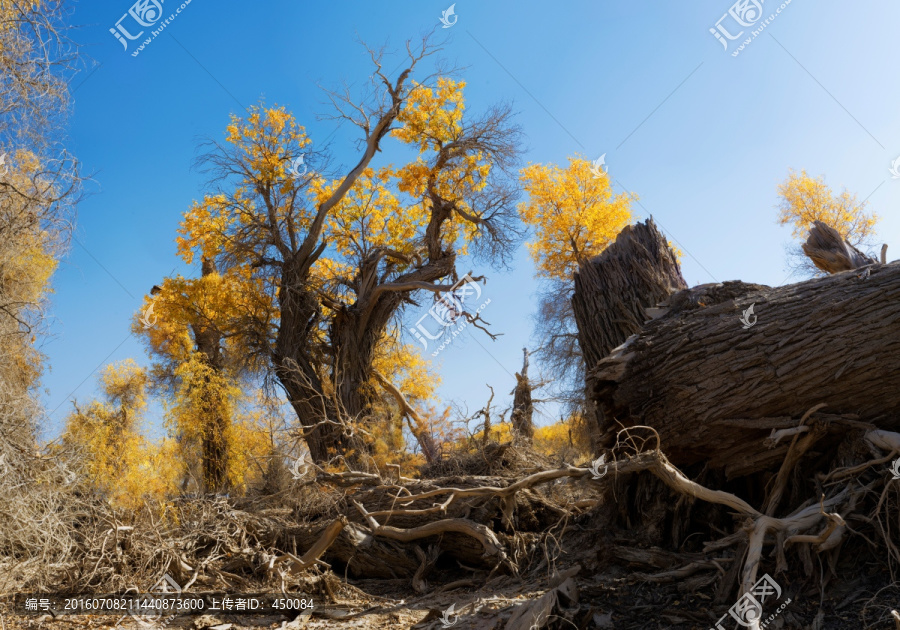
[(712, 386)]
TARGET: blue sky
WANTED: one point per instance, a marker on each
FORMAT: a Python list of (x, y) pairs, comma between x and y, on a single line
[(701, 136)]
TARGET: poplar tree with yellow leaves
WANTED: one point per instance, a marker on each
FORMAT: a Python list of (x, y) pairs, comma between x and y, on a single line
[(38, 186), (574, 215), (805, 200), (193, 330), (338, 258), (123, 465)]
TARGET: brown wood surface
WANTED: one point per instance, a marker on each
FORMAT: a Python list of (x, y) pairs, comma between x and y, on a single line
[(689, 373)]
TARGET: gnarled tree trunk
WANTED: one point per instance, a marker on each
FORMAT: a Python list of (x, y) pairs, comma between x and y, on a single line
[(613, 291), (714, 377)]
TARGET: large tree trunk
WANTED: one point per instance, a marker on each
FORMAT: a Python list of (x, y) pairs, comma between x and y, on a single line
[(714, 380), (357, 329), (295, 368), (613, 291)]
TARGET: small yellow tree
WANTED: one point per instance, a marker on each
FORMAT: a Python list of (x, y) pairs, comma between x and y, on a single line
[(574, 214), (120, 462), (806, 199)]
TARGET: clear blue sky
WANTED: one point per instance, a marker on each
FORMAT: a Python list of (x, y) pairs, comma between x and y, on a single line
[(701, 136)]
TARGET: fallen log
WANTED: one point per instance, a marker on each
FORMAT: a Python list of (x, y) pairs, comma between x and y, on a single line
[(728, 363)]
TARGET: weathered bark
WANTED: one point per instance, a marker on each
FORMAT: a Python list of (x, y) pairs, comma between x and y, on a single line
[(613, 290), (356, 329), (828, 251), (714, 386), (612, 294), (523, 408), (295, 366)]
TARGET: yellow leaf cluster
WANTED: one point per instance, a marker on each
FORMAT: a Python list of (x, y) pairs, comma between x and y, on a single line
[(267, 137), (566, 440), (805, 199), (370, 216), (500, 432), (431, 117), (120, 462), (406, 368), (574, 214), (166, 321)]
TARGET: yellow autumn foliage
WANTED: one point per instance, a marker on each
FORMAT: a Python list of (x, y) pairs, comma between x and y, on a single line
[(573, 212), (120, 462), (565, 440), (806, 199)]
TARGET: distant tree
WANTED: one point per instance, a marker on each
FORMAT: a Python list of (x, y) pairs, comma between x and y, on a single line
[(805, 199), (118, 460), (38, 186), (574, 215), (202, 367), (340, 258)]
